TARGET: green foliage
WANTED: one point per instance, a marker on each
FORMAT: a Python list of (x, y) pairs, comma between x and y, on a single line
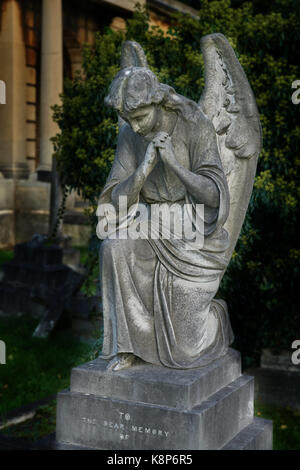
[(6, 256), (260, 282)]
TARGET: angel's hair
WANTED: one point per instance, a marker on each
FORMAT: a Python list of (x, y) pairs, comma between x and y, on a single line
[(134, 87)]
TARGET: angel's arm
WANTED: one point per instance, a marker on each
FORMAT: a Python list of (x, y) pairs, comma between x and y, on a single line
[(131, 179), (202, 188)]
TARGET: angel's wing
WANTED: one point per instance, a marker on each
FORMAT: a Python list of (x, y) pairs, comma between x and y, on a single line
[(229, 103), (132, 55)]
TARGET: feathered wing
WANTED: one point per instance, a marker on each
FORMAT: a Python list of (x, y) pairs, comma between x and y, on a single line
[(132, 55), (229, 102)]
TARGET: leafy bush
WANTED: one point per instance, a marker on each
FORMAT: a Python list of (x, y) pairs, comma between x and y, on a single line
[(260, 283)]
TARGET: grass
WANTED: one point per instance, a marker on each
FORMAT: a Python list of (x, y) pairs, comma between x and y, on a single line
[(286, 425), (35, 368), (41, 425)]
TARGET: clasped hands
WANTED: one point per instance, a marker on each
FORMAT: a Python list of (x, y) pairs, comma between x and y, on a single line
[(161, 146)]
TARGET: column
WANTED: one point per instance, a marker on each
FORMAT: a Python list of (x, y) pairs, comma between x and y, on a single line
[(51, 80), (13, 73)]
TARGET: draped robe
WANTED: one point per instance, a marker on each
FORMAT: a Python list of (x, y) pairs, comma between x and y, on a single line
[(158, 296)]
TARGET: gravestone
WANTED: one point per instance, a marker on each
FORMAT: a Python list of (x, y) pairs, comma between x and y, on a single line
[(154, 407), (167, 378), (277, 380), (37, 283)]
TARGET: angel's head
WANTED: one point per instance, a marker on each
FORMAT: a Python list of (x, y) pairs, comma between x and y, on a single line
[(136, 94), (140, 99)]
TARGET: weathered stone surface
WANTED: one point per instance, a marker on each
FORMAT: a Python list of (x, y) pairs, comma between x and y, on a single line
[(36, 275), (29, 223), (80, 233), (277, 386), (6, 194), (256, 436), (107, 423), (72, 284), (7, 221), (71, 257), (279, 360), (32, 196), (155, 384)]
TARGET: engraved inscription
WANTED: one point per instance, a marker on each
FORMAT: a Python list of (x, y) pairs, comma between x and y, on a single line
[(125, 427)]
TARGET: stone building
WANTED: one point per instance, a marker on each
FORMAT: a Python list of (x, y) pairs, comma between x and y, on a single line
[(40, 43)]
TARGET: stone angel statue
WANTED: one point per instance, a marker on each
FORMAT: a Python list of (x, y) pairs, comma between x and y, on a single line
[(158, 293)]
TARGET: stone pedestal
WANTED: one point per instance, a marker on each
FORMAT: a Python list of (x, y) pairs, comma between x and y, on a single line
[(152, 407)]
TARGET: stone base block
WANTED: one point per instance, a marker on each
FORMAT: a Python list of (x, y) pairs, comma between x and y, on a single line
[(257, 436), (107, 423), (148, 407), (147, 383)]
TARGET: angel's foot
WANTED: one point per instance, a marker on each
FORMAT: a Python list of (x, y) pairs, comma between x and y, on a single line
[(121, 361)]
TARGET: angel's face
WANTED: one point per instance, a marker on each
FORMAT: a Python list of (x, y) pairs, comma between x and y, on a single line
[(143, 119)]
